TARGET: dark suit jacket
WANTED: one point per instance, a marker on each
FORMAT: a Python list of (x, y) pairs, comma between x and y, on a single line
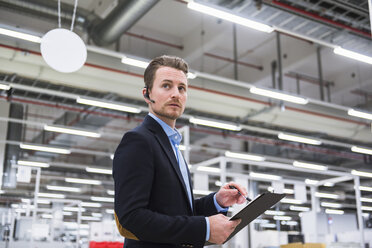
[(151, 203)]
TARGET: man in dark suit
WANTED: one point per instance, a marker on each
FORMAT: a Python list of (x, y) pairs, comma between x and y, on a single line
[(154, 204)]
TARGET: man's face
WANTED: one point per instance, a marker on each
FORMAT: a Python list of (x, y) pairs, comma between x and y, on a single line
[(169, 92)]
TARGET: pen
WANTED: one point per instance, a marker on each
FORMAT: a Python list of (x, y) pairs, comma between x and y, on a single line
[(233, 187)]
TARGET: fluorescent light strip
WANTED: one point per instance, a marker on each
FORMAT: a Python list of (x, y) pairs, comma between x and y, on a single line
[(361, 173), (334, 211), (364, 199), (365, 208), (66, 213), (282, 217), (309, 166), (297, 208), (311, 181), (268, 225), (285, 191), (201, 192), (361, 150), (97, 215), (326, 195), (328, 184), (365, 188), (20, 35), (49, 195), (331, 205), (45, 148), (191, 75), (62, 188), (353, 55), (291, 201), (82, 181), (264, 176), (98, 170), (91, 218), (243, 156), (300, 139), (216, 124), (33, 163), (73, 131), (102, 199), (273, 212), (4, 87), (91, 204), (261, 221), (47, 216), (278, 95), (134, 62), (209, 169), (229, 17), (110, 211), (289, 223), (360, 114), (108, 105), (110, 192), (73, 209)]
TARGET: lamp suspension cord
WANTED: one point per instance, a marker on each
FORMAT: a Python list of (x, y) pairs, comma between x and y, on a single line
[(73, 15)]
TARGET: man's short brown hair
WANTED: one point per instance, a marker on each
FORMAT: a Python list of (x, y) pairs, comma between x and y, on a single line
[(164, 60)]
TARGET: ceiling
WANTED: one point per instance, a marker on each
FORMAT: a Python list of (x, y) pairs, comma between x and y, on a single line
[(228, 60)]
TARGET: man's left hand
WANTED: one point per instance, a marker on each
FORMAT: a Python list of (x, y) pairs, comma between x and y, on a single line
[(227, 197)]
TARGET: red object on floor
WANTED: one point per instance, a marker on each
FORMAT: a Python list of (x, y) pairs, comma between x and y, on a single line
[(105, 244)]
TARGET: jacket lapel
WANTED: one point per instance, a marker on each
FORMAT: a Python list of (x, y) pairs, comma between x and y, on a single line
[(163, 140)]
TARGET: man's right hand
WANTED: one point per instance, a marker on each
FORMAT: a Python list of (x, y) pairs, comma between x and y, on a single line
[(221, 228)]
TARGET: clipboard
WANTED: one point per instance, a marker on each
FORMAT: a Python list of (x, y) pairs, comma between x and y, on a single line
[(254, 209)]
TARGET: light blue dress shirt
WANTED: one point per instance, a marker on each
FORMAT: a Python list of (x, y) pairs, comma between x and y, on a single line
[(175, 139)]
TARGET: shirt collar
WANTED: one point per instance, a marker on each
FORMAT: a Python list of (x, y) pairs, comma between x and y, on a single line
[(173, 134)]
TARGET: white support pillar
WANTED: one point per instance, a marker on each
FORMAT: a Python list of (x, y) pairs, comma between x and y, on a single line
[(36, 196), (223, 170), (241, 238), (4, 112), (359, 210)]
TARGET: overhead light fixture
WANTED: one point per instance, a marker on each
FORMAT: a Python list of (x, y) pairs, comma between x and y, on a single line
[(45, 148), (331, 205), (300, 209), (353, 55), (361, 150), (182, 148), (365, 208), (134, 62), (311, 181), (289, 223), (97, 215), (49, 195), (110, 211), (295, 138), (74, 209), (268, 225), (360, 114), (282, 217), (261, 221), (244, 156), (90, 218), (20, 35), (209, 169), (33, 163), (274, 212), (63, 188), (108, 105), (112, 156), (326, 195), (91, 204), (364, 199), (361, 173), (82, 181), (328, 184), (102, 199), (334, 211), (285, 191), (73, 131), (47, 216), (4, 87), (110, 192), (278, 95), (309, 166), (98, 170), (291, 201), (365, 188), (191, 75), (264, 176), (216, 124), (201, 192), (43, 201), (229, 17)]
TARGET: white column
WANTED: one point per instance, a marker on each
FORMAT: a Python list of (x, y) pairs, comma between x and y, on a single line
[(359, 210), (4, 112)]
